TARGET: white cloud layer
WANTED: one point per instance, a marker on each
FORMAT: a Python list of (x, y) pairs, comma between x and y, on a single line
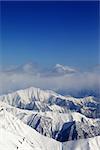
[(58, 77)]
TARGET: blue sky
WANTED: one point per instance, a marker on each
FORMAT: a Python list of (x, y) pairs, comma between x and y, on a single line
[(50, 33)]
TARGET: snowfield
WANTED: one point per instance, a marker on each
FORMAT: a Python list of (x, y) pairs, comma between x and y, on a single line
[(14, 134), (35, 119), (84, 144)]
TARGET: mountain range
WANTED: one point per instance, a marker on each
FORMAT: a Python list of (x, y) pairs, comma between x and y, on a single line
[(45, 120)]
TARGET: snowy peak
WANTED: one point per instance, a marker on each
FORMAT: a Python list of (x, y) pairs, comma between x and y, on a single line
[(20, 136), (63, 69), (27, 115), (29, 94), (43, 100), (60, 126)]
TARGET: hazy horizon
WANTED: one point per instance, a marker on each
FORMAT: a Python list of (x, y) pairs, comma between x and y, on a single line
[(51, 45)]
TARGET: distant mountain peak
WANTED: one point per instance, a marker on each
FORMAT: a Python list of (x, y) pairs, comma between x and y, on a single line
[(63, 69)]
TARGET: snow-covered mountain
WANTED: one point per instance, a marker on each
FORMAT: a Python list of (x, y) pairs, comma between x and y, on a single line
[(14, 134), (60, 126), (60, 69), (84, 144), (47, 100), (51, 116)]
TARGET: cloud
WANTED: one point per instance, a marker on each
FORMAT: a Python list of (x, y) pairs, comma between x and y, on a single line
[(55, 78), (57, 71)]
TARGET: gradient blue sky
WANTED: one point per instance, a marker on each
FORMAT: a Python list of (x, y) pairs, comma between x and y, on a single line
[(50, 33)]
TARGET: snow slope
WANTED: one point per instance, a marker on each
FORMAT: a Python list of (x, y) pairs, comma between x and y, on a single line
[(84, 144), (53, 115), (14, 135), (60, 126), (46, 100)]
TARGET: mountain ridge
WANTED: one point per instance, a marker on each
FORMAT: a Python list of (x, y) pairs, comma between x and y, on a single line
[(54, 116)]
